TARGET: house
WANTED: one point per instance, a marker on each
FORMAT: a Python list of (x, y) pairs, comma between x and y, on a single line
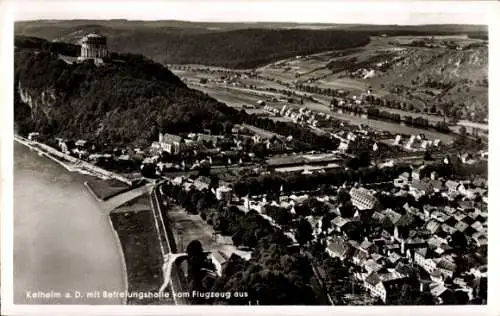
[(393, 216), (64, 147), (477, 226), (367, 246), (343, 146), (376, 257), (450, 210), (433, 226), (378, 217), (461, 226), (424, 257), (437, 185), (172, 144), (219, 260), (363, 199), (459, 216), (404, 269), (224, 193), (80, 152), (480, 239), (339, 222), (415, 243), (466, 206), (80, 143), (479, 272), (419, 188), (214, 139), (202, 183), (372, 266), (452, 186), (33, 136), (387, 285), (359, 257), (439, 216), (420, 255), (416, 173), (480, 182), (441, 293), (393, 258), (447, 229), (339, 248), (446, 268), (405, 220), (429, 265)]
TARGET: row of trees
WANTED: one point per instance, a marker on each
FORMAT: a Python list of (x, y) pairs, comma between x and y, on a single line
[(302, 134), (263, 184), (374, 113), (318, 90)]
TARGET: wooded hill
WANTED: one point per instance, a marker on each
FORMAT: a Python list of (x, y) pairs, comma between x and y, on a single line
[(127, 100)]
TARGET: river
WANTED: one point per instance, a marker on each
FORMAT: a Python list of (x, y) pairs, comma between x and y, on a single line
[(63, 242)]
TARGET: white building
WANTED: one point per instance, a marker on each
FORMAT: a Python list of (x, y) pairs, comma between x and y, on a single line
[(33, 136), (172, 144)]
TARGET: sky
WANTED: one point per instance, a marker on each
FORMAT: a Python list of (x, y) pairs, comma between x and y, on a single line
[(404, 12)]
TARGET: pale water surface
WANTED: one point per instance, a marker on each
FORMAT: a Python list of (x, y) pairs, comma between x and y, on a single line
[(62, 241)]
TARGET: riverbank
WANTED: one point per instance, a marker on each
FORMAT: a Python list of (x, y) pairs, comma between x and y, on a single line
[(59, 248), (102, 188), (134, 226), (70, 163)]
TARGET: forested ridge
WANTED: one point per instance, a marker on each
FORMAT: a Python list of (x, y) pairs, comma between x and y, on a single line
[(241, 48), (249, 48), (126, 101), (129, 99)]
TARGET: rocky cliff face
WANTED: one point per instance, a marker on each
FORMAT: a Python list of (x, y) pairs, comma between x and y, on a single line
[(41, 102)]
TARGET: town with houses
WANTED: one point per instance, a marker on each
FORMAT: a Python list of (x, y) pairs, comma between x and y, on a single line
[(420, 224), (382, 217)]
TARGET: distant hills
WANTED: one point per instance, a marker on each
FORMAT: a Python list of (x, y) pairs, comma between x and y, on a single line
[(234, 45)]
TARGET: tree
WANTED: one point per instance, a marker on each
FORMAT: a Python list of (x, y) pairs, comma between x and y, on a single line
[(343, 196), (462, 131), (303, 231), (461, 298), (427, 155), (196, 261), (425, 298), (364, 159)]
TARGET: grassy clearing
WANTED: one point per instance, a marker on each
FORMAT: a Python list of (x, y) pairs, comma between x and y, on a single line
[(105, 189), (141, 250)]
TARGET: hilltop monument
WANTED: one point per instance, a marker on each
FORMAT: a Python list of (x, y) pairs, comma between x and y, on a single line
[(94, 46)]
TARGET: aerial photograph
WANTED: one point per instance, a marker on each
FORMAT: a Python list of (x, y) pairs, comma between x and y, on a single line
[(186, 162)]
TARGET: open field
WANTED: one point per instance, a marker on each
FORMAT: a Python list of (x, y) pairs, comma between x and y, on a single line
[(105, 189), (236, 97), (229, 96), (187, 227), (261, 132), (388, 63), (321, 70), (140, 245)]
